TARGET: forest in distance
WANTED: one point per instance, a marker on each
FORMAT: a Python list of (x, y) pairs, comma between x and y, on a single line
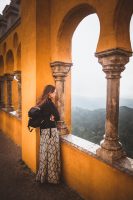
[(90, 125)]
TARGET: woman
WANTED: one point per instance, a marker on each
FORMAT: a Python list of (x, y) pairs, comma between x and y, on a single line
[(49, 166)]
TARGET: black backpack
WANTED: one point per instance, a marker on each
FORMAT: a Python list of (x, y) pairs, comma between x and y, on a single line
[(35, 118)]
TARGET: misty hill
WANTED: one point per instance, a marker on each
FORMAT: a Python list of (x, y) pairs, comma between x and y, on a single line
[(96, 103), (89, 125)]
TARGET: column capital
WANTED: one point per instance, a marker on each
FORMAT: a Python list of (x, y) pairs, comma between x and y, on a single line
[(113, 61), (17, 74), (60, 69), (2, 78), (9, 77)]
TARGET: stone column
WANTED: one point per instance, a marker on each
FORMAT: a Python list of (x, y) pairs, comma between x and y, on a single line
[(17, 75), (113, 62), (60, 71), (2, 78), (9, 79)]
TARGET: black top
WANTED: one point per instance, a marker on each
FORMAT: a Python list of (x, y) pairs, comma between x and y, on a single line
[(48, 109)]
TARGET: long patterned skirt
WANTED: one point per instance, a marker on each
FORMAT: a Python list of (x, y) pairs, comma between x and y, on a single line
[(49, 158)]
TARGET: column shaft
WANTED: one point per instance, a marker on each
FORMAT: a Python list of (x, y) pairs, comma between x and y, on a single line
[(2, 104), (18, 78), (9, 78), (113, 62)]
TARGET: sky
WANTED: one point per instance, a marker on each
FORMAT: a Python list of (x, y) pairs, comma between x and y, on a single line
[(88, 79), (2, 4)]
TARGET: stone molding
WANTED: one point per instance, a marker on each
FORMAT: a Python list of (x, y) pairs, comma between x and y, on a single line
[(60, 70), (116, 51)]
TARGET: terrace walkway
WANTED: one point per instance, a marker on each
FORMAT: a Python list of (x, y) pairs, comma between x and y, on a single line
[(17, 181)]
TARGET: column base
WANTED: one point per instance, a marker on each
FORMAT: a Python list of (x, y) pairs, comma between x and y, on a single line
[(2, 105), (9, 109), (110, 155), (18, 113), (62, 128)]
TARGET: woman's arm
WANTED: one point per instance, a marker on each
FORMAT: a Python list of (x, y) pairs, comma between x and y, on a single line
[(54, 112)]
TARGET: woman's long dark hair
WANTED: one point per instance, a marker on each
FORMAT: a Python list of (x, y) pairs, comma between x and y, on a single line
[(44, 97)]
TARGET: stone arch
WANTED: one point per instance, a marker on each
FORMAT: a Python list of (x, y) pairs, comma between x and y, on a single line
[(1, 65), (15, 40), (64, 44), (121, 22), (9, 61), (19, 57), (67, 28)]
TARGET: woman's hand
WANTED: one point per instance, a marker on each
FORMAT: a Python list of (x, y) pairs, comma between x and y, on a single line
[(52, 118)]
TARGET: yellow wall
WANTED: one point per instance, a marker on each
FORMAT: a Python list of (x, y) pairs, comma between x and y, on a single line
[(93, 179), (28, 61), (10, 46), (11, 126), (45, 35)]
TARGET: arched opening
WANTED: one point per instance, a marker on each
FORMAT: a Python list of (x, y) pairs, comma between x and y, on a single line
[(15, 81), (126, 104), (88, 82), (19, 57), (15, 40), (9, 70), (9, 62), (1, 65), (63, 48), (67, 28), (4, 48)]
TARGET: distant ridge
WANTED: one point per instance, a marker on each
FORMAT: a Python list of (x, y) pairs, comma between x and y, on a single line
[(90, 125), (97, 103)]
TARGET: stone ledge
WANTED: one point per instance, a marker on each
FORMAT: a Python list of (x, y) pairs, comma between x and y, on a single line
[(12, 113), (125, 165)]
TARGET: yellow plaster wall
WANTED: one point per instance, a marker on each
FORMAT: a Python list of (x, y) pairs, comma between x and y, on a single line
[(28, 61), (65, 17), (45, 34), (93, 179), (9, 46), (11, 126), (108, 12)]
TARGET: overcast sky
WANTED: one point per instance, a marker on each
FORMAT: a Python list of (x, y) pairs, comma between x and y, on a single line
[(88, 79), (2, 4)]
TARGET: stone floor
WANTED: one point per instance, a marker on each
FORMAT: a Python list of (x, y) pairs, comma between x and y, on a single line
[(17, 181)]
